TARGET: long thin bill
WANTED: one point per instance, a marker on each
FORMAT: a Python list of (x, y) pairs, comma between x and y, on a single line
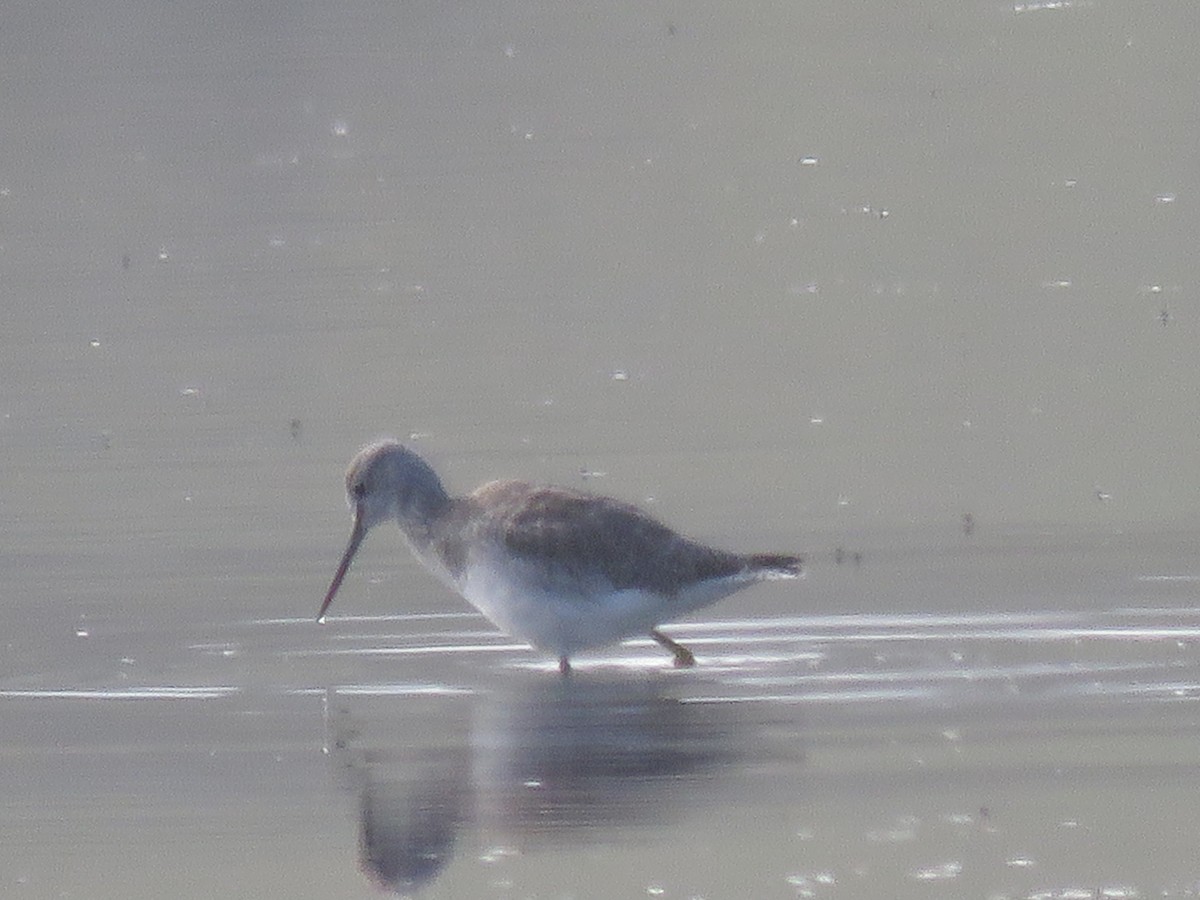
[(356, 537)]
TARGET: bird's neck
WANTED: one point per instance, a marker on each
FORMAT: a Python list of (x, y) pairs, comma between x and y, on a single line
[(421, 505), (426, 534)]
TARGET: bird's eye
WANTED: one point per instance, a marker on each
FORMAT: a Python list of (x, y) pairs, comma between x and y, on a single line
[(359, 490)]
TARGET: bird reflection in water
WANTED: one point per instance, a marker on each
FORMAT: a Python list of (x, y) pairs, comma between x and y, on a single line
[(407, 832), (536, 765)]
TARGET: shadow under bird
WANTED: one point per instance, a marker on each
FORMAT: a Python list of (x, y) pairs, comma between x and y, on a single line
[(562, 569)]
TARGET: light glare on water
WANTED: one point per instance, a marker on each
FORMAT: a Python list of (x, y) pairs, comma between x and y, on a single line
[(965, 742)]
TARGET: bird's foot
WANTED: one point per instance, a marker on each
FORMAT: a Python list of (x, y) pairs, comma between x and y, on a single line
[(564, 666), (684, 659)]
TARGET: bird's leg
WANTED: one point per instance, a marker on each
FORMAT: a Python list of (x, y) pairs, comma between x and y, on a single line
[(683, 656), (564, 666)]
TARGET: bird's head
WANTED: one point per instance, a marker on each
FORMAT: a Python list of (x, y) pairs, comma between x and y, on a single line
[(386, 480)]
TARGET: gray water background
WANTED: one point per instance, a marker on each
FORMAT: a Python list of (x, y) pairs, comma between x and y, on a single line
[(854, 280)]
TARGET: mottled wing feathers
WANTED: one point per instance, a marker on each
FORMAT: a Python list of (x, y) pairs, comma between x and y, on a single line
[(589, 538)]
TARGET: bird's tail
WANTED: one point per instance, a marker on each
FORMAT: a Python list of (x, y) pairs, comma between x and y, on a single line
[(775, 565)]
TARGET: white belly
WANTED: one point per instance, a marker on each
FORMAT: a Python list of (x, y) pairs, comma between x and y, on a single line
[(561, 622), (570, 617)]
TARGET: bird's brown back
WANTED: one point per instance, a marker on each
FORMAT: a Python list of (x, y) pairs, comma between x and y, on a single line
[(587, 537)]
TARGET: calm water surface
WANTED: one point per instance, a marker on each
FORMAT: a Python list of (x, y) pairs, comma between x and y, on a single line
[(1036, 752)]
